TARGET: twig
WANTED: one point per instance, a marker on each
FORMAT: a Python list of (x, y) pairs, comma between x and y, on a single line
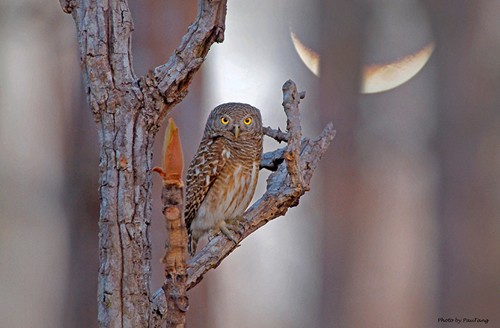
[(277, 135), (280, 195)]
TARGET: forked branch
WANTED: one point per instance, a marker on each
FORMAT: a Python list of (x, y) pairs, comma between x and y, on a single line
[(285, 186)]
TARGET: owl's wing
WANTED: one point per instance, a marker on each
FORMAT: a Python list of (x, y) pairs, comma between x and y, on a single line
[(203, 171)]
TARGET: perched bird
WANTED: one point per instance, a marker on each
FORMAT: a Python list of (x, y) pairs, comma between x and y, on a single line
[(222, 176)]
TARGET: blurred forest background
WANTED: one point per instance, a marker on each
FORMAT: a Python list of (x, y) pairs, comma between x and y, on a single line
[(402, 225)]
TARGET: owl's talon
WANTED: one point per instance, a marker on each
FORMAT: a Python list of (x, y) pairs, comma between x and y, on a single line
[(228, 233)]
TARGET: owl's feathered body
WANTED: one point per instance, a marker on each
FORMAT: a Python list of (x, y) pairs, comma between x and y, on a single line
[(222, 176)]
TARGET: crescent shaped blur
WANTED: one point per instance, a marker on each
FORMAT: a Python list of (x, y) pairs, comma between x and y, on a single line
[(309, 57), (376, 77)]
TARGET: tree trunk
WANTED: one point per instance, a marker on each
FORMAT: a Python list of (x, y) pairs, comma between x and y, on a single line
[(128, 112), (125, 250), (125, 139)]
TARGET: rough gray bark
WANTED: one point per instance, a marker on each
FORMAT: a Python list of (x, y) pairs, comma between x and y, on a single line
[(128, 111)]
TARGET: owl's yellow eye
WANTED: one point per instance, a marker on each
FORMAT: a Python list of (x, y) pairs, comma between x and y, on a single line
[(224, 120), (247, 121)]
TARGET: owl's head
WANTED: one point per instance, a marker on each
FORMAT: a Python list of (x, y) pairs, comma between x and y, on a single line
[(234, 121)]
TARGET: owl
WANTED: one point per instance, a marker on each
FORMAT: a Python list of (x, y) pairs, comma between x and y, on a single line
[(222, 176)]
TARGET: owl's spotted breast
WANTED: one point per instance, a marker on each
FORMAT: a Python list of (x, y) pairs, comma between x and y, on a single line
[(228, 197), (202, 173)]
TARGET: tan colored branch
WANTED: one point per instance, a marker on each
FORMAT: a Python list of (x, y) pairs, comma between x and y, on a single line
[(281, 193), (176, 253), (175, 257)]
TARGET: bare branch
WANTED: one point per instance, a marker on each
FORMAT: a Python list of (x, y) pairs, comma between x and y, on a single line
[(274, 203), (174, 76), (175, 258), (174, 300), (291, 100), (277, 135), (176, 253), (281, 194), (273, 159)]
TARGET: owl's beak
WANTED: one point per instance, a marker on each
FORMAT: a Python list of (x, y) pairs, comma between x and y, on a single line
[(236, 131)]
